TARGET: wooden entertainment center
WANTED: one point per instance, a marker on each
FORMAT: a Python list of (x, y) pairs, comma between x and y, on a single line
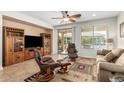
[(45, 49), (13, 46), (14, 50)]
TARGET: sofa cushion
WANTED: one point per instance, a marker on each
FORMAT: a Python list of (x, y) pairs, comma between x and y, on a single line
[(120, 60), (100, 58), (109, 57), (105, 51), (117, 51), (99, 52), (111, 67)]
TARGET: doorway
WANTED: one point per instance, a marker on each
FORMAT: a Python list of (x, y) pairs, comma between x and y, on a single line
[(64, 38)]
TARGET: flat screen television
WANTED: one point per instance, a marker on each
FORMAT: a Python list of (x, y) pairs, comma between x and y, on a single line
[(33, 41)]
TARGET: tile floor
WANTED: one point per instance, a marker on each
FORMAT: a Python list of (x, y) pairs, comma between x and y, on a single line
[(18, 72)]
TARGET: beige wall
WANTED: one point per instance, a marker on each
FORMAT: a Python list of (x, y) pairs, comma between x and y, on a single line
[(28, 29), (120, 40)]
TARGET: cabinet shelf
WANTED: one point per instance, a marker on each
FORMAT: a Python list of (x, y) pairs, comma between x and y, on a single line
[(46, 49)]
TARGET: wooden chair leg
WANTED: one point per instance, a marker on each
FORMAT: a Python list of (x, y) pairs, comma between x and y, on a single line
[(44, 78), (63, 69)]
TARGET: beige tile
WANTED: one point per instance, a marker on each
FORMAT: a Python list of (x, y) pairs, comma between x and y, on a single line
[(18, 72)]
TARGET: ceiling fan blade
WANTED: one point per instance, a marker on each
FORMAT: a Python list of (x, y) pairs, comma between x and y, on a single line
[(61, 21), (76, 16), (64, 14), (57, 18), (72, 20)]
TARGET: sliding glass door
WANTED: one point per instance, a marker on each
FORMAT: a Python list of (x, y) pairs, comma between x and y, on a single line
[(64, 38)]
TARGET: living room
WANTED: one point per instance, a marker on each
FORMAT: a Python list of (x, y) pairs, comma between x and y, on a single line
[(84, 40), (90, 31)]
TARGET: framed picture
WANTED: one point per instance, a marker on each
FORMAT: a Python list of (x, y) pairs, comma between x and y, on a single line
[(122, 29)]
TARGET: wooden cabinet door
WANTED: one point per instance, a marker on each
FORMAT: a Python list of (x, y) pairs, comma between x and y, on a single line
[(28, 54), (42, 52), (9, 51), (18, 57)]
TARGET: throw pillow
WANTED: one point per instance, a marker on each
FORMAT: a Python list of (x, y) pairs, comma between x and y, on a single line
[(105, 51), (109, 57), (117, 51), (99, 52)]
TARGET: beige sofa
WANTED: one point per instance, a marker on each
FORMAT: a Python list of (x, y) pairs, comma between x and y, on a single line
[(108, 69)]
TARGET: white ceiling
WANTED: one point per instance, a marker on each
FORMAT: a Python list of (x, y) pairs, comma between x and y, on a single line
[(85, 15)]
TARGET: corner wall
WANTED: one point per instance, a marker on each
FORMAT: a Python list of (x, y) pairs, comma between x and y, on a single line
[(112, 33)]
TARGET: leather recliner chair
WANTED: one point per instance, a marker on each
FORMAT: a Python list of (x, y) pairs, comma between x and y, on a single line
[(46, 65), (72, 51)]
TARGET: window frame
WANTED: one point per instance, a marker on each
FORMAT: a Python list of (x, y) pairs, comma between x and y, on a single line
[(93, 26)]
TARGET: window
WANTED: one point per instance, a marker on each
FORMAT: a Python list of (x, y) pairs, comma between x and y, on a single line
[(94, 36), (87, 37)]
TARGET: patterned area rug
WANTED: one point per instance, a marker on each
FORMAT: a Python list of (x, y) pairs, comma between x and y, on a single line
[(81, 71), (82, 68), (31, 78)]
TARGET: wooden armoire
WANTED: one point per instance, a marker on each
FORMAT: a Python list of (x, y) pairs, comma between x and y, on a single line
[(13, 45)]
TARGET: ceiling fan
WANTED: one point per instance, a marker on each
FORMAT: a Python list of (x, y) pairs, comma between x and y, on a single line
[(66, 17)]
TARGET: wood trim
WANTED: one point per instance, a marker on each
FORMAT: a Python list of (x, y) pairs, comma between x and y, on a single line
[(11, 29), (3, 51)]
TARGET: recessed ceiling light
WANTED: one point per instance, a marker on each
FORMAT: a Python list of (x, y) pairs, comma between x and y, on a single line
[(93, 14)]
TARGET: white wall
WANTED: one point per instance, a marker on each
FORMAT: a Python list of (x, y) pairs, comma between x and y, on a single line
[(112, 29), (120, 40)]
